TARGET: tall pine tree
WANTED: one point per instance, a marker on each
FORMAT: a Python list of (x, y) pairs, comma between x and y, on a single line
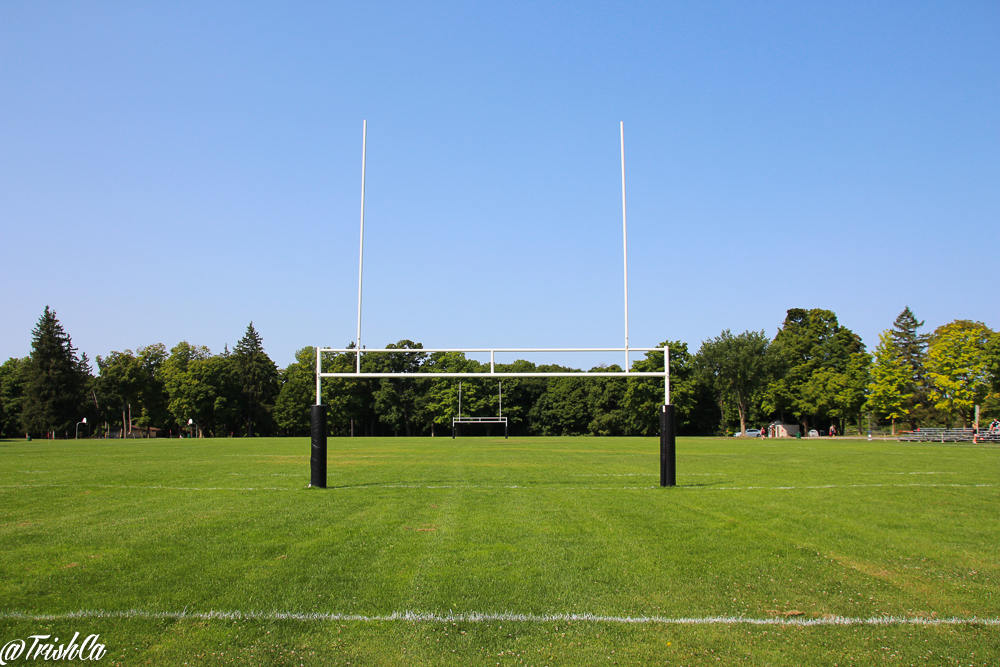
[(911, 348), (259, 382), (55, 380)]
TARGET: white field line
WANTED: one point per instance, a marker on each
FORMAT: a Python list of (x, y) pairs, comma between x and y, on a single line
[(909, 473), (305, 457), (476, 617), (843, 486), (276, 474), (637, 474), (487, 487), (140, 486)]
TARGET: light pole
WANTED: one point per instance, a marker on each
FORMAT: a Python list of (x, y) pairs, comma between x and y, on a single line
[(78, 427)]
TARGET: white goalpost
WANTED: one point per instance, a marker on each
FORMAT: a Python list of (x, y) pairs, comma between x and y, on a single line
[(498, 419), (667, 468)]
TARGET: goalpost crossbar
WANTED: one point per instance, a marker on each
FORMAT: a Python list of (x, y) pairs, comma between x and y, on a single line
[(431, 375), (356, 374)]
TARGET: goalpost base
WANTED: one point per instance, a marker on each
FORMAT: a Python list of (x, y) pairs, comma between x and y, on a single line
[(668, 447), (317, 461)]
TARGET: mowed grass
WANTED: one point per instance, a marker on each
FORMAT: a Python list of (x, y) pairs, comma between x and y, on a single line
[(500, 542)]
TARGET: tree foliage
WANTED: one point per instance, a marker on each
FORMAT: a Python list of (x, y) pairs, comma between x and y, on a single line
[(119, 384), (815, 370), (258, 381), (958, 367), (911, 346), (888, 390), (738, 369), (55, 380), (297, 394), (12, 379), (812, 349)]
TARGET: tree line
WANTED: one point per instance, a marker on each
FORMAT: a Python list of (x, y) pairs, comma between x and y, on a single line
[(814, 372)]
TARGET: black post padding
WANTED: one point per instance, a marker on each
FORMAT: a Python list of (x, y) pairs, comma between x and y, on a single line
[(453, 430), (318, 459), (668, 447), (505, 430)]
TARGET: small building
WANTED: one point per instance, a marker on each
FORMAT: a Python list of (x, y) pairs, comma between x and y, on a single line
[(780, 429)]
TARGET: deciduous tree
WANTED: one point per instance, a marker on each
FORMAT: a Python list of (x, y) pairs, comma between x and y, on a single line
[(891, 381), (690, 395), (12, 396), (119, 386), (739, 367), (958, 366), (297, 394), (810, 343)]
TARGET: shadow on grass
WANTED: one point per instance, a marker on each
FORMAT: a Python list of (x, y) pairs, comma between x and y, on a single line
[(394, 484), (705, 484), (425, 484)]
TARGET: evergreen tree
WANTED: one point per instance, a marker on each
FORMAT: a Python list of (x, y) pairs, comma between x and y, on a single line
[(911, 351), (259, 382), (55, 380)]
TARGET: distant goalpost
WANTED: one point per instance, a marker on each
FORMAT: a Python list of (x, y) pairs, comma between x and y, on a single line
[(498, 419), (668, 475)]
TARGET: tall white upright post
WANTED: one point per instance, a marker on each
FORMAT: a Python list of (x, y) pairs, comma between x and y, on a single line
[(666, 376), (625, 245), (361, 252), (318, 378)]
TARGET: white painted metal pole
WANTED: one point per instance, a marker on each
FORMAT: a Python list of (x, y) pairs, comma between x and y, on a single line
[(666, 376), (625, 244), (361, 252), (318, 371)]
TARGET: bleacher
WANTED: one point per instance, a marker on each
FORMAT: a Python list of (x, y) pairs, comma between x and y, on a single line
[(946, 435)]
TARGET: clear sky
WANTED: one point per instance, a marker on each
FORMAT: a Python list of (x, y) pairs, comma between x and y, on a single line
[(171, 171)]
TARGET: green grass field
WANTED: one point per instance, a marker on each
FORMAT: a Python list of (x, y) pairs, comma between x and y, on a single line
[(529, 551)]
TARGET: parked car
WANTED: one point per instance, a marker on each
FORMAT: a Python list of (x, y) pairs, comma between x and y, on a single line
[(751, 433)]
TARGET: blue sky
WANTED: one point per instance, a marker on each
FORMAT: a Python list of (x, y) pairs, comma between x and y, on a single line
[(172, 171)]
